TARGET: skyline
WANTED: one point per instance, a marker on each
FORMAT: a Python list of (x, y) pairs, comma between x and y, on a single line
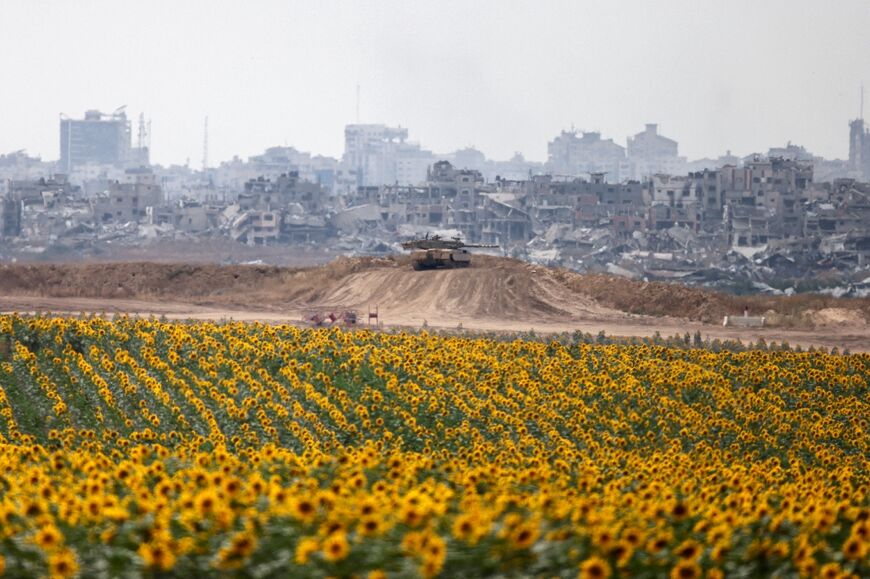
[(502, 78)]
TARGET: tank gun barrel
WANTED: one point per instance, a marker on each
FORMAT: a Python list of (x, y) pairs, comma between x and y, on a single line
[(442, 244)]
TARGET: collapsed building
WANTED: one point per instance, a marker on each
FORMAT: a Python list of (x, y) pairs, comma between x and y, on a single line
[(41, 207), (132, 199), (754, 223), (284, 210)]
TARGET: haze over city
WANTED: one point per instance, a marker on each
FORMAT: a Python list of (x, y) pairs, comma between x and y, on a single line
[(499, 76)]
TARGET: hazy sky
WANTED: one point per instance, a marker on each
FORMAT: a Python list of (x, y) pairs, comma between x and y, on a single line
[(502, 76)]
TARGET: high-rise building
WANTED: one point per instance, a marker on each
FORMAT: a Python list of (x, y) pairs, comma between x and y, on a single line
[(650, 153), (380, 155), (573, 156), (10, 217), (99, 138), (370, 150), (859, 149)]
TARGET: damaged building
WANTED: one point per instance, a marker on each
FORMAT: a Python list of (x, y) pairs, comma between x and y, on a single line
[(286, 209), (42, 208), (131, 199), (749, 221)]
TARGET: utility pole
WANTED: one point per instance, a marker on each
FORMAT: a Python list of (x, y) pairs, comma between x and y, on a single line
[(140, 138)]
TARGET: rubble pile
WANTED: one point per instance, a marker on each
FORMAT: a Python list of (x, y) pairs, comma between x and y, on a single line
[(762, 228), (678, 254)]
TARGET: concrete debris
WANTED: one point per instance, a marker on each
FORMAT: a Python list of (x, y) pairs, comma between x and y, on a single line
[(765, 227)]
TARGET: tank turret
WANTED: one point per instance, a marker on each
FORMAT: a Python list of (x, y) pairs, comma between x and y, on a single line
[(435, 252)]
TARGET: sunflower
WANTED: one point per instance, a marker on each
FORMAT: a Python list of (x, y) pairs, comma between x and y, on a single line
[(594, 568), (831, 571), (368, 507), (720, 551), (63, 563), (157, 555), (686, 570), (430, 568), (48, 537), (622, 551), (243, 544), (854, 548), (304, 510), (205, 503), (525, 535), (435, 549), (632, 536), (93, 506), (34, 508), (411, 515), (370, 526), (466, 527), (689, 550), (657, 543), (603, 539), (336, 547), (305, 549), (680, 511), (233, 555)]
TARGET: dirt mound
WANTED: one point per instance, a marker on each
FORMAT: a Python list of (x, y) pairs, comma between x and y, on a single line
[(836, 317), (122, 280), (493, 288), (221, 283), (675, 300), (653, 298)]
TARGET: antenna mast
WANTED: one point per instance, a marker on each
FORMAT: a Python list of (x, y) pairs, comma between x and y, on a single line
[(140, 140), (357, 103)]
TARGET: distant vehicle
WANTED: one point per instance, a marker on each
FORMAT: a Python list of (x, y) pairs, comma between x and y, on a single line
[(340, 318), (435, 252)]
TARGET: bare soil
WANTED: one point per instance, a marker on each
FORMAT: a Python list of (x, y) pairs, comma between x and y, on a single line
[(672, 299), (495, 294)]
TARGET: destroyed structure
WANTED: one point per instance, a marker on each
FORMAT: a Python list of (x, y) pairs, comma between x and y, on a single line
[(751, 223)]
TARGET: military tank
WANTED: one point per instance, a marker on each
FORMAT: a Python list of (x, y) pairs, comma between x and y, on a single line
[(434, 252)]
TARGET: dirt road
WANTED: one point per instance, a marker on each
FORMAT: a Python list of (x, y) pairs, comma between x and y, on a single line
[(612, 323)]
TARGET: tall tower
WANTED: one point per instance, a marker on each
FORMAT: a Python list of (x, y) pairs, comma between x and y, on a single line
[(140, 138), (859, 143), (140, 155), (856, 144)]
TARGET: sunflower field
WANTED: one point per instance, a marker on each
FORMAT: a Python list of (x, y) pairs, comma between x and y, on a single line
[(140, 448)]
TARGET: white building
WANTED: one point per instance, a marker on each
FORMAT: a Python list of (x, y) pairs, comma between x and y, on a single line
[(575, 156), (380, 155), (650, 153), (276, 161)]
